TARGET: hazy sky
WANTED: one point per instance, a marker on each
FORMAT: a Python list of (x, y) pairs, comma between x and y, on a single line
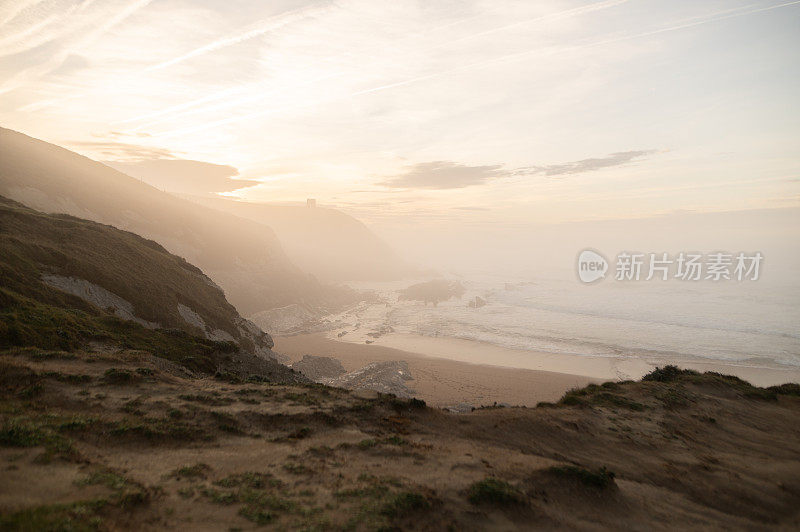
[(415, 114)]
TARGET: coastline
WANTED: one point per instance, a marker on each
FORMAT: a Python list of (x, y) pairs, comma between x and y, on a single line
[(449, 371), (441, 381), (592, 366)]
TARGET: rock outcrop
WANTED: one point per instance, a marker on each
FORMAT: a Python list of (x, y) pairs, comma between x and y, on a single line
[(434, 291), (319, 368), (385, 377)]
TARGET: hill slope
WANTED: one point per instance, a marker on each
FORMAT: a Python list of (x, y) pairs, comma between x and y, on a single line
[(243, 257), (157, 451), (328, 243), (65, 282)]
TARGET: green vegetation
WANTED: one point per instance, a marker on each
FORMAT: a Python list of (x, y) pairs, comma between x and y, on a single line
[(296, 469), (67, 377), (256, 492), (594, 394), (790, 388), (371, 442), (303, 398), (34, 353), (207, 399), (299, 434), (196, 471), (31, 432), (154, 430), (251, 480), (675, 397), (404, 503), (668, 373), (257, 515), (119, 376), (106, 478), (26, 322), (602, 478), (51, 323), (495, 492), (81, 515), (78, 517), (718, 380), (33, 243)]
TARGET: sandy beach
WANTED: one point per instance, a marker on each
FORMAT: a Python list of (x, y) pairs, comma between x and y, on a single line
[(449, 371), (440, 381)]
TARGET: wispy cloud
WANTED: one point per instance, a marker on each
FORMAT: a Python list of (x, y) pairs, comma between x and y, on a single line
[(262, 28), (584, 165), (72, 36), (441, 175), (476, 65), (185, 176), (119, 151)]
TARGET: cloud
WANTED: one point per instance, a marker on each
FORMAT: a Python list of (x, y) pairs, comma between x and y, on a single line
[(584, 165), (184, 176), (440, 175), (120, 151), (443, 175), (265, 26)]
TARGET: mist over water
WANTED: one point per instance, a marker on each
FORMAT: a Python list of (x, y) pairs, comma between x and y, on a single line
[(749, 325), (535, 302)]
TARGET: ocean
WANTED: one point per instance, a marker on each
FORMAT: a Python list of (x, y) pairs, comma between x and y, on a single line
[(749, 323)]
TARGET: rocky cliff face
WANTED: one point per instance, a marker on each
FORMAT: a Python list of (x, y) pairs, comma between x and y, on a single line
[(48, 257)]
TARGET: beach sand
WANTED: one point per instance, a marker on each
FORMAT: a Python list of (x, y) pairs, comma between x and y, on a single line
[(439, 381), (449, 371)]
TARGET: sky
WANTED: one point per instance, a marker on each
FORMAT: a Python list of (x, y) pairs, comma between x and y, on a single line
[(423, 117)]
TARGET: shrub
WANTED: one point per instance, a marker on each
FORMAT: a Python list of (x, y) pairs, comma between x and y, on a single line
[(668, 373), (790, 388), (602, 478), (405, 503), (299, 434), (118, 376), (255, 514), (196, 471), (493, 491)]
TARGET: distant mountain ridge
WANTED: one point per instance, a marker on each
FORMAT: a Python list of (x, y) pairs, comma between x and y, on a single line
[(243, 257), (326, 242)]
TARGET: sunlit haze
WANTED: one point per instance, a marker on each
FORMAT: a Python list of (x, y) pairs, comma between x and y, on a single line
[(399, 265), (425, 115)]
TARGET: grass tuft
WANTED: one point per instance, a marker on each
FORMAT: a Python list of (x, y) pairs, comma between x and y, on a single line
[(495, 492), (404, 503), (602, 478)]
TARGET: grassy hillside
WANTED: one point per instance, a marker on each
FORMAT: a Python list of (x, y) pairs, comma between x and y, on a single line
[(120, 442), (154, 282), (242, 256)]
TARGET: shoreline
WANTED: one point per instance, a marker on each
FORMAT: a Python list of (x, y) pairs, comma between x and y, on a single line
[(593, 366), (441, 381), (449, 371)]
